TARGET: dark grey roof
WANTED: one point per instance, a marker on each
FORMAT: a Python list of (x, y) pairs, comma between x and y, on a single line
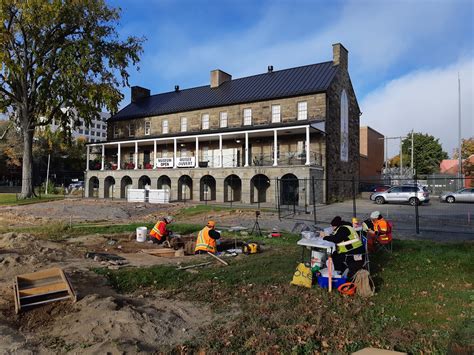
[(278, 84)]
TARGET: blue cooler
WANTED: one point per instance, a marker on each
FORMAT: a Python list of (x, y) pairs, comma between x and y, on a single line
[(324, 282)]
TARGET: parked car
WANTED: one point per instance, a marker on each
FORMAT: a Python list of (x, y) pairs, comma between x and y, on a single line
[(76, 185), (413, 194), (381, 188), (463, 195)]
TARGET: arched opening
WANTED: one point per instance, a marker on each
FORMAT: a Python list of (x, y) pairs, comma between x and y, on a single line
[(144, 181), (109, 185), (208, 188), (94, 187), (289, 190), (258, 188), (164, 183), (125, 184), (232, 188), (185, 188)]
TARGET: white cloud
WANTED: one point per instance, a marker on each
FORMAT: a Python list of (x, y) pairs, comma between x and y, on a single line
[(426, 101)]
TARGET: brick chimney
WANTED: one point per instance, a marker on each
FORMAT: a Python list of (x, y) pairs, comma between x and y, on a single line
[(340, 56), (139, 93), (218, 77)]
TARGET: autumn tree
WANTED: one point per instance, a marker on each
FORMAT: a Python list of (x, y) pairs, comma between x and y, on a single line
[(57, 54), (467, 149), (427, 152)]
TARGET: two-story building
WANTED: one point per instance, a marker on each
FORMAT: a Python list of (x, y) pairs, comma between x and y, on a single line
[(232, 139)]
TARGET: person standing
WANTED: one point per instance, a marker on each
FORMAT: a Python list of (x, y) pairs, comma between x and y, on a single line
[(206, 240)]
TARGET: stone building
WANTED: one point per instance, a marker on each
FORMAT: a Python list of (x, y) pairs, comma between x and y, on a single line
[(231, 140)]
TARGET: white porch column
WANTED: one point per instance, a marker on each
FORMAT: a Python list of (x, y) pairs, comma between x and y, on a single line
[(246, 149), (196, 154), (307, 146), (103, 158), (87, 157), (221, 157), (174, 153), (119, 156), (154, 154), (136, 156), (275, 148)]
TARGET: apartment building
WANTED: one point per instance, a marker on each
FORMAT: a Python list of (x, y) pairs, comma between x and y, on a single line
[(94, 132), (233, 138)]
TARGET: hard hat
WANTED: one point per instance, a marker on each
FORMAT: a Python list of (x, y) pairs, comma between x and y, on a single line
[(375, 215), (169, 219), (347, 288), (211, 224)]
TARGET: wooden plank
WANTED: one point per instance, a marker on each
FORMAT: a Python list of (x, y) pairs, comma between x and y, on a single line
[(33, 276), (25, 284), (220, 260), (47, 301), (59, 286), (159, 252), (17, 296), (70, 290)]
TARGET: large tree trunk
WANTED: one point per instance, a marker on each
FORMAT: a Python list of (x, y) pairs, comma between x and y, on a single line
[(27, 190)]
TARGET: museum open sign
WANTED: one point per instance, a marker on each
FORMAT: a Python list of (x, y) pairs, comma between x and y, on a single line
[(164, 162)]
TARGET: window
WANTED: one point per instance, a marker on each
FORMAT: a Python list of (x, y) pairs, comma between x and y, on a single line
[(276, 117), (104, 135), (302, 110), (300, 148), (205, 121), (395, 190), (205, 154), (223, 119), (247, 116), (409, 189), (131, 130), (81, 131), (131, 157), (104, 126), (184, 124), (164, 153), (184, 152), (164, 127), (115, 129), (147, 128), (87, 132)]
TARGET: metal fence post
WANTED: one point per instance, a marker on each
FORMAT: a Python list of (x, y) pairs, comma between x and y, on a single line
[(314, 199), (417, 216), (354, 210), (277, 185)]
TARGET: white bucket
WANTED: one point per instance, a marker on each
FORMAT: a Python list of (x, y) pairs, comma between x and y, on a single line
[(141, 234)]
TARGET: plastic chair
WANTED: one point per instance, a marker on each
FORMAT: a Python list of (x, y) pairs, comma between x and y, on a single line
[(365, 255)]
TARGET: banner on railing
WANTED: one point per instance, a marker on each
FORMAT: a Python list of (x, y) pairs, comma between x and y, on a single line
[(185, 162), (164, 162)]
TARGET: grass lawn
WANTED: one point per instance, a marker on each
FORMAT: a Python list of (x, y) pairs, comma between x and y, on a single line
[(423, 303), (11, 199)]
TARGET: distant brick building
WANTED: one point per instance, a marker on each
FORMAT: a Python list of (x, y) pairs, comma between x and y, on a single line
[(371, 153), (235, 137), (451, 167)]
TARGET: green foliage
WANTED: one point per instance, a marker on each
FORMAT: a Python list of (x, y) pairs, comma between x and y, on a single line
[(57, 54), (428, 152), (467, 148)]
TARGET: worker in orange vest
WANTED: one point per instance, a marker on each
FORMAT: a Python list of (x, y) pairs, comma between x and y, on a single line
[(206, 240), (380, 229), (159, 233)]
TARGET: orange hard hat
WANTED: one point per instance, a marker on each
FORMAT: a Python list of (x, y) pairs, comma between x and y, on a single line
[(347, 288), (211, 224)]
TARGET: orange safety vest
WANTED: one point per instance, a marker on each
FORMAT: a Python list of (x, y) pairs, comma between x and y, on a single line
[(382, 227), (205, 242), (155, 232)]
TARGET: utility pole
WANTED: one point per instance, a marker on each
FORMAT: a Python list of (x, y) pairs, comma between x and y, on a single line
[(401, 157), (459, 133), (412, 153)]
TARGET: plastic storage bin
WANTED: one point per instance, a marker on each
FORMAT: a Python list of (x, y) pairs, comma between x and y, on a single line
[(336, 282)]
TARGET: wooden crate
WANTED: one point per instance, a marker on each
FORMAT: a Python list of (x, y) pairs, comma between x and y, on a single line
[(167, 253), (41, 287)]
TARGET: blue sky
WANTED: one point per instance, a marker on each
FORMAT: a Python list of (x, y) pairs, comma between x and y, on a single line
[(404, 56)]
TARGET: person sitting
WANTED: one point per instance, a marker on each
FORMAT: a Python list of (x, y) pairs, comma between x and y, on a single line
[(380, 228), (349, 246), (160, 233), (206, 240)]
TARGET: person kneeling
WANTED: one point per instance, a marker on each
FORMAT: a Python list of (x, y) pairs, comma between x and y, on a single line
[(206, 240), (349, 247), (160, 233)]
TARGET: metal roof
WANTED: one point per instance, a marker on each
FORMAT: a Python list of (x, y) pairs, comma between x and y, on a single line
[(272, 85)]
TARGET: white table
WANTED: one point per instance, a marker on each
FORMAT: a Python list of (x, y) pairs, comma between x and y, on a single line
[(327, 246)]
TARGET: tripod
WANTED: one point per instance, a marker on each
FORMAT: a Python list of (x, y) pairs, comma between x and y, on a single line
[(256, 226)]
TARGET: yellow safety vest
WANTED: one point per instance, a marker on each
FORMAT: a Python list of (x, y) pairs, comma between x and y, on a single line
[(205, 242), (354, 241)]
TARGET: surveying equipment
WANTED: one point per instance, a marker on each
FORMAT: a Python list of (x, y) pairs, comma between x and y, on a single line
[(256, 226)]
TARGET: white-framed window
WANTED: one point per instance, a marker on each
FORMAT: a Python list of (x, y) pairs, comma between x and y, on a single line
[(223, 119), (276, 113), (164, 126), (205, 154), (131, 129), (164, 153), (205, 121), (184, 124), (302, 110), (147, 128), (300, 147), (183, 152), (247, 116)]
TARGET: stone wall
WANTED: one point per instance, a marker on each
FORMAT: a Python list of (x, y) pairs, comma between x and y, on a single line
[(261, 116)]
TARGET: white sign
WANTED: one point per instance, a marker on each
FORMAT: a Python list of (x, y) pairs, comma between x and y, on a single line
[(164, 162), (185, 162)]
